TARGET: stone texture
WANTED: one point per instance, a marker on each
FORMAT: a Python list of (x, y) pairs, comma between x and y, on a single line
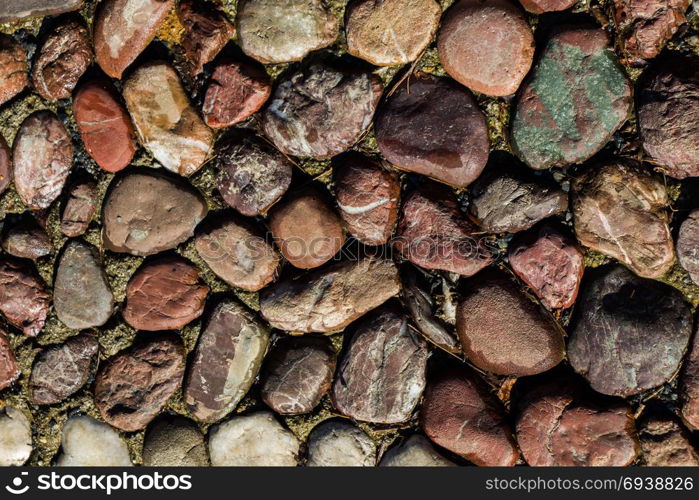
[(541, 6), (80, 207), (15, 437), (252, 175), (306, 228), (13, 10), (104, 124), (90, 443), (688, 245), (389, 32), (255, 440), (133, 387), (459, 414), (560, 423), (174, 442), (298, 373), (43, 155), (434, 234), (340, 444), (382, 373), (329, 299), (5, 165), (14, 68), (665, 443), (416, 451), (321, 111), (237, 253), (9, 368), (573, 102), (145, 213), (621, 211), (503, 331), (433, 126), (82, 298), (226, 361), (26, 239), (206, 32), (63, 58), (236, 91), (367, 197), (61, 370), (167, 124), (487, 46), (123, 28), (689, 387), (277, 32), (24, 298), (550, 263), (668, 118), (630, 334), (165, 293)]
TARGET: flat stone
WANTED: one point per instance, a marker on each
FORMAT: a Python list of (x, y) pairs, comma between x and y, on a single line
[(165, 293), (12, 10), (206, 32), (434, 234), (622, 211), (104, 124), (15, 437), (433, 126), (460, 414), (689, 387), (574, 101), (306, 228), (665, 443), (145, 213), (5, 165), (169, 126), (237, 253), (61, 370), (630, 334), (43, 155), (252, 175), (340, 444), (63, 58), (320, 111), (80, 207), (668, 118), (26, 239), (24, 298), (328, 299), (174, 442), (487, 46), (541, 6), (226, 361), (274, 32), (132, 387), (14, 68), (237, 90), (298, 373), (504, 332), (550, 263), (688, 245), (390, 32), (89, 443), (367, 196), (560, 423), (9, 368), (255, 440), (82, 298), (382, 374), (123, 28), (416, 451)]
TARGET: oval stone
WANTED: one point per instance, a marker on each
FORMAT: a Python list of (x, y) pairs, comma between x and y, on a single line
[(5, 165), (26, 239), (174, 442), (24, 298), (88, 442), (14, 68), (340, 444), (9, 368), (15, 437), (80, 207)]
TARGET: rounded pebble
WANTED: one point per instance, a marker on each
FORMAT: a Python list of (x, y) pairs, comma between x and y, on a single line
[(416, 451), (14, 68), (15, 437), (340, 444), (174, 442), (90, 443)]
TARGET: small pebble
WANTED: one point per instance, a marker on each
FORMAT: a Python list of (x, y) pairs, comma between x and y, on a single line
[(80, 207), (5, 165), (9, 368), (13, 10), (24, 297), (416, 451), (174, 442), (15, 437), (206, 32), (26, 239), (90, 443), (689, 387), (14, 68), (340, 444), (665, 443)]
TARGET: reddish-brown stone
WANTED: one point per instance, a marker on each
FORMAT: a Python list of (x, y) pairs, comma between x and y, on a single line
[(688, 245), (206, 32), (14, 68), (689, 386), (9, 369), (664, 442), (26, 239), (5, 165), (79, 207), (541, 6), (164, 294), (24, 299)]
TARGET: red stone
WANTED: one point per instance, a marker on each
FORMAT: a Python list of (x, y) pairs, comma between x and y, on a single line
[(9, 369), (206, 32), (5, 165), (24, 299), (14, 69)]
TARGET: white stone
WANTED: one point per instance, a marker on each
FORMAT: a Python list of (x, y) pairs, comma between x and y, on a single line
[(15, 437), (416, 451), (88, 442), (340, 444)]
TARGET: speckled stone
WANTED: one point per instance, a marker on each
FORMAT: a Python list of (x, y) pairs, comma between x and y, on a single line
[(174, 442), (24, 298), (87, 442), (416, 451), (15, 437), (14, 68), (340, 444), (664, 443)]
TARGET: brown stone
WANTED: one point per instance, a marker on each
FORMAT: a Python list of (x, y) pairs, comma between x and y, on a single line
[(79, 207), (132, 387), (42, 155), (550, 263), (388, 32), (105, 126), (252, 175), (61, 370), (146, 212), (5, 165), (206, 32), (14, 68), (62, 60), (382, 373), (367, 197), (164, 294), (689, 386), (24, 298), (123, 28), (621, 211), (433, 126), (460, 414), (541, 6), (226, 361), (664, 442), (14, 10), (9, 369), (26, 239), (328, 299), (503, 331), (298, 373), (174, 442), (688, 245)]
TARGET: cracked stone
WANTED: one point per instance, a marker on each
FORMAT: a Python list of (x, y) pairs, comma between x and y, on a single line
[(80, 207), (9, 368), (416, 451), (88, 443), (24, 298), (665, 443), (206, 32), (14, 68), (174, 442), (340, 444), (15, 437)]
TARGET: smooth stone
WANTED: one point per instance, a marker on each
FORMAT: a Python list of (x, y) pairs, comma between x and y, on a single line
[(664, 443), (26, 239), (5, 165), (88, 443), (206, 32), (80, 207), (9, 368), (416, 451), (14, 10), (541, 6), (340, 444), (24, 297), (15, 437), (14, 68), (689, 387), (174, 442)]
